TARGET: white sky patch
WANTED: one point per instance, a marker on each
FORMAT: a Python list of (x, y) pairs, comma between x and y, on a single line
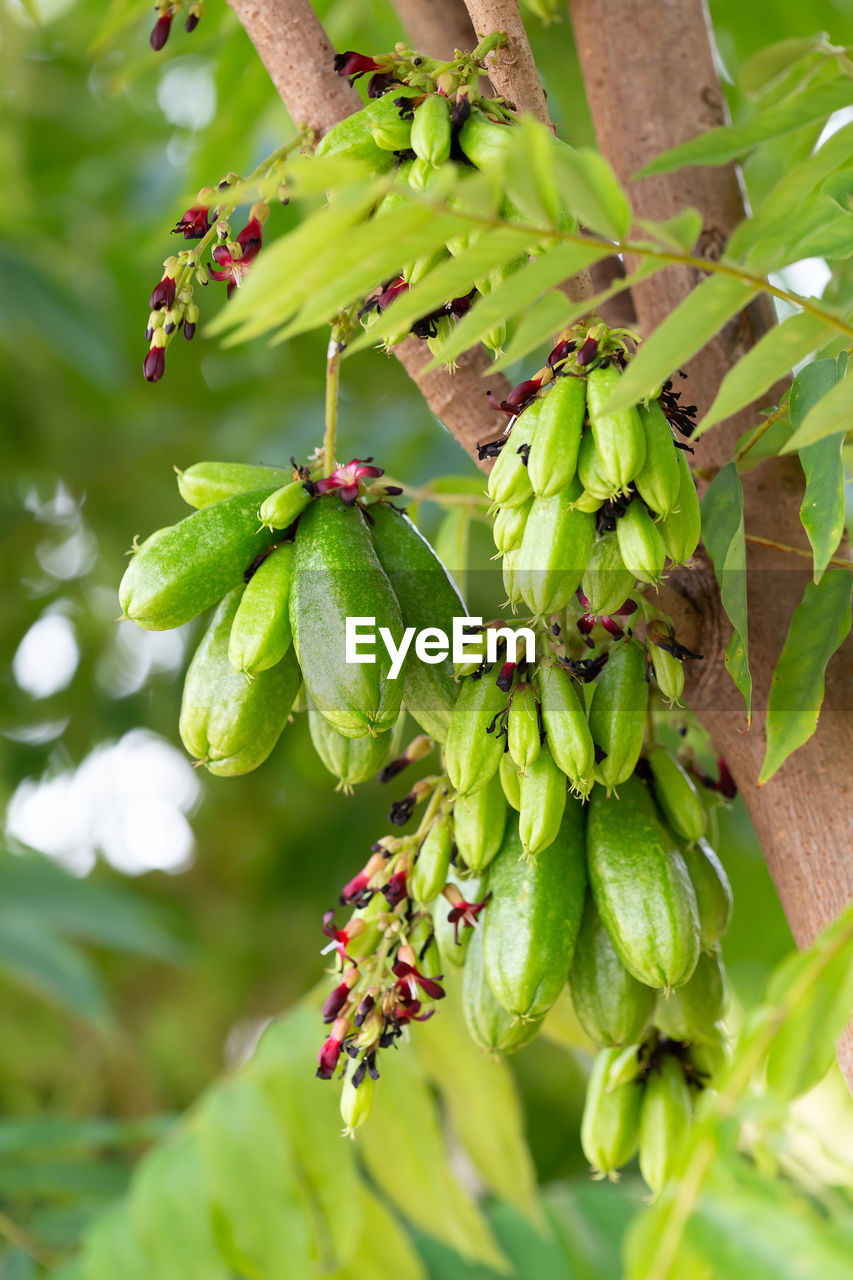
[(808, 277), (134, 655), (47, 657), (836, 121), (186, 93)]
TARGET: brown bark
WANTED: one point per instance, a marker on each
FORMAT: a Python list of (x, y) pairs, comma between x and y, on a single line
[(437, 27), (511, 69), (667, 87)]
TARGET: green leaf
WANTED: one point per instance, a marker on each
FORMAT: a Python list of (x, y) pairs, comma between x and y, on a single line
[(829, 415), (728, 142), (39, 961), (171, 1215), (111, 1248), (723, 536), (763, 67), (684, 332), (591, 190), (822, 509), (452, 542), (772, 357), (679, 233), (383, 1248), (820, 624)]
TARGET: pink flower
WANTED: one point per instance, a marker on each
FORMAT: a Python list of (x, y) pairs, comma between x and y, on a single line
[(232, 268), (345, 479)]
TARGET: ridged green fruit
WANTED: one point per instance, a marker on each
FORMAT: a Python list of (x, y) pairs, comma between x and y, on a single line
[(554, 551), (666, 1117), (184, 569), (510, 782), (509, 484), (509, 525), (260, 633), (350, 760), (617, 713), (587, 502), (430, 138), (620, 440), (204, 483), (543, 802), (677, 795), (692, 1012), (392, 134), (428, 597), (281, 508), (554, 453), (669, 673), (641, 543), (483, 141), (474, 748), (509, 576), (612, 1006), (490, 1026), (533, 918), (607, 583), (659, 479), (336, 575), (566, 728), (712, 889), (590, 472), (681, 529), (611, 1117), (641, 887), (479, 821), (708, 1057), (522, 729), (352, 137), (429, 875), (228, 722)]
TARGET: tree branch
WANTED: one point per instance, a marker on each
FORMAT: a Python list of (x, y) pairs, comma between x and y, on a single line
[(437, 27), (511, 69)]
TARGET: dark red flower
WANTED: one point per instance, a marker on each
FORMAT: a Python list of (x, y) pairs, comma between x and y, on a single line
[(588, 619), (341, 937), (461, 911), (328, 1057), (521, 395), (726, 784), (232, 268), (155, 364), (409, 978), (194, 224), (395, 890), (345, 479), (588, 351), (336, 999), (163, 295), (354, 889), (560, 353), (354, 64), (160, 34)]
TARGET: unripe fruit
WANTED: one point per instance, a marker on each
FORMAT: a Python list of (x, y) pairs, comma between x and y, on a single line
[(692, 1012), (712, 889), (509, 484), (543, 801), (554, 551), (429, 875), (352, 139), (356, 1103), (587, 502), (490, 1026), (568, 736), (666, 1116), (658, 480), (641, 543), (510, 782), (676, 795), (681, 529), (351, 760), (479, 821), (554, 453), (474, 748), (523, 739), (509, 576), (606, 583), (612, 1006), (708, 1057), (430, 135), (669, 673), (641, 887), (590, 472), (483, 141), (260, 633), (618, 711), (392, 134), (611, 1117), (620, 441), (204, 483), (281, 508), (533, 918), (509, 525)]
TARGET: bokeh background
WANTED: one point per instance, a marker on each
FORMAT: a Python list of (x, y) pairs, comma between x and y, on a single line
[(152, 918)]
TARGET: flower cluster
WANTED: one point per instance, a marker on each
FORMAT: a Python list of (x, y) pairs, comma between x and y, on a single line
[(167, 11)]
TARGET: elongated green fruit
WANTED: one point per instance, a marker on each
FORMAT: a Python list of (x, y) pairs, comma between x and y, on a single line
[(641, 543), (682, 527), (431, 130), (677, 796), (351, 760), (611, 1117), (352, 137), (228, 722), (392, 134), (612, 1006), (509, 484), (617, 713), (709, 1056), (587, 502), (473, 749), (533, 918), (336, 575), (429, 875), (568, 735), (204, 483), (523, 726), (641, 887), (554, 453), (659, 479), (181, 571), (712, 889), (691, 1012), (669, 673), (509, 526), (607, 583), (590, 472), (429, 598), (281, 508), (666, 1117), (510, 782), (490, 1026), (483, 141), (554, 551), (509, 576), (543, 801), (620, 441), (260, 633), (479, 821)]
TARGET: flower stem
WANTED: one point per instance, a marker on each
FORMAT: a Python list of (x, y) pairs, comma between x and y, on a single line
[(795, 551), (759, 432), (333, 384)]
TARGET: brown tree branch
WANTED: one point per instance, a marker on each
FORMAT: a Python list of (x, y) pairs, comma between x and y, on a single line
[(437, 27), (511, 69), (668, 88)]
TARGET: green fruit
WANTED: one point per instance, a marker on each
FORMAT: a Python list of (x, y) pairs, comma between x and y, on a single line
[(474, 748), (510, 782), (587, 502), (429, 875), (522, 728), (490, 1026), (567, 731), (429, 598), (607, 583), (554, 454), (483, 141), (681, 529), (281, 508), (479, 821), (554, 551), (620, 440), (181, 571), (708, 1057), (336, 575), (509, 576), (659, 478), (430, 139), (666, 1116), (641, 887), (260, 633), (352, 137), (228, 722), (712, 889), (669, 673), (392, 134), (204, 483), (351, 760), (509, 484), (677, 796), (611, 1117), (612, 1006), (509, 526), (533, 918), (691, 1012), (617, 713), (590, 473), (641, 543), (543, 801)]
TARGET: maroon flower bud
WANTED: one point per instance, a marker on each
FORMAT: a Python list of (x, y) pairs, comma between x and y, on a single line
[(336, 1000), (160, 34), (194, 224), (363, 1009), (726, 784), (250, 239), (560, 353), (155, 364), (189, 330), (328, 1057), (395, 890), (380, 83), (355, 888), (507, 672), (163, 295), (353, 65), (191, 22), (588, 351)]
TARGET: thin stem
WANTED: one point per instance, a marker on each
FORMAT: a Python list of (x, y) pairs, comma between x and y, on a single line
[(427, 494), (759, 432), (333, 384), (795, 551), (22, 1240)]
